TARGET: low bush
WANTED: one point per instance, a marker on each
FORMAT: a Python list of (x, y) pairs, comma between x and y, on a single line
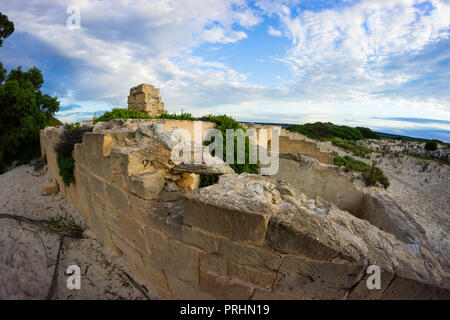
[(351, 146), (371, 174), (328, 130), (66, 166), (72, 134), (121, 113), (431, 145)]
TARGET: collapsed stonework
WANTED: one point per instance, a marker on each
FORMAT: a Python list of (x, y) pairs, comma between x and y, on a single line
[(246, 237), (145, 98)]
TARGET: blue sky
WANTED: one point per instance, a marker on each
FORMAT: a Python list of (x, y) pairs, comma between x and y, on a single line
[(375, 63)]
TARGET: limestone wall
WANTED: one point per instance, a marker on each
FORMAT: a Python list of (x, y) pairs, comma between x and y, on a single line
[(292, 142), (247, 237), (145, 98)]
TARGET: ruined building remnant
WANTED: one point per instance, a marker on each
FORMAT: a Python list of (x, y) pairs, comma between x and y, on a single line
[(145, 98)]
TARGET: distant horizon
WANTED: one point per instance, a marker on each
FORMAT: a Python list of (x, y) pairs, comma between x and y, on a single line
[(377, 64)]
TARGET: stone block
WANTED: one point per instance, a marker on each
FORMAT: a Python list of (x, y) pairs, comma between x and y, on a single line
[(127, 249), (234, 225), (177, 258), (132, 230), (249, 255), (258, 276), (224, 288), (147, 185), (213, 263), (185, 291), (117, 197), (199, 239)]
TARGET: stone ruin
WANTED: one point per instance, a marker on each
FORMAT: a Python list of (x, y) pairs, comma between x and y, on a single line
[(145, 98), (304, 233)]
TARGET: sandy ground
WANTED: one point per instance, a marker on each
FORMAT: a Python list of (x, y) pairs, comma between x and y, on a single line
[(421, 188), (28, 253)]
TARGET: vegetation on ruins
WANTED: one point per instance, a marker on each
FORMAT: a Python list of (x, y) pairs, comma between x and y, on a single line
[(328, 130), (121, 113), (24, 110), (223, 122), (73, 133), (370, 173), (352, 146)]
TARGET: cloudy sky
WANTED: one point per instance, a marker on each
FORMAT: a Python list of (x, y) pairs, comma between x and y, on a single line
[(375, 63)]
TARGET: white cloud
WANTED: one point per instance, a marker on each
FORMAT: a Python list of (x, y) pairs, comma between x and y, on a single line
[(339, 57), (274, 32)]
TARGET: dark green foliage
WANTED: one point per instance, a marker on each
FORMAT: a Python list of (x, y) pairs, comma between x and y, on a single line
[(431, 145), (225, 122), (174, 116), (66, 226), (329, 130), (371, 174), (351, 146), (66, 166), (72, 134), (367, 133), (23, 111), (53, 122), (375, 174), (6, 28), (121, 113), (350, 163), (208, 180)]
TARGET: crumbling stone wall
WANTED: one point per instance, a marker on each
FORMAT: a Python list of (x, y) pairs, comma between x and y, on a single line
[(145, 98), (246, 237), (291, 142)]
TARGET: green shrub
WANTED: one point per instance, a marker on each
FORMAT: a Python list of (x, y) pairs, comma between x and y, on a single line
[(431, 145), (72, 134), (121, 113), (24, 111), (367, 133), (208, 180), (370, 174), (351, 146), (66, 166), (174, 116), (329, 130), (225, 122)]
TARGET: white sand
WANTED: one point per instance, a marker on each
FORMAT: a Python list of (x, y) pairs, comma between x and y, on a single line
[(421, 188), (25, 270)]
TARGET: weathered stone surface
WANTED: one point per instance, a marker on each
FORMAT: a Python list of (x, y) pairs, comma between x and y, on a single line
[(51, 188), (185, 291), (224, 288), (146, 185), (250, 255), (118, 197), (189, 181), (232, 224), (145, 98), (246, 236), (132, 230), (261, 277), (169, 253)]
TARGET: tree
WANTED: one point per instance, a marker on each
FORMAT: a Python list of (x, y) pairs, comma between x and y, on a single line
[(24, 109), (431, 145), (6, 28)]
